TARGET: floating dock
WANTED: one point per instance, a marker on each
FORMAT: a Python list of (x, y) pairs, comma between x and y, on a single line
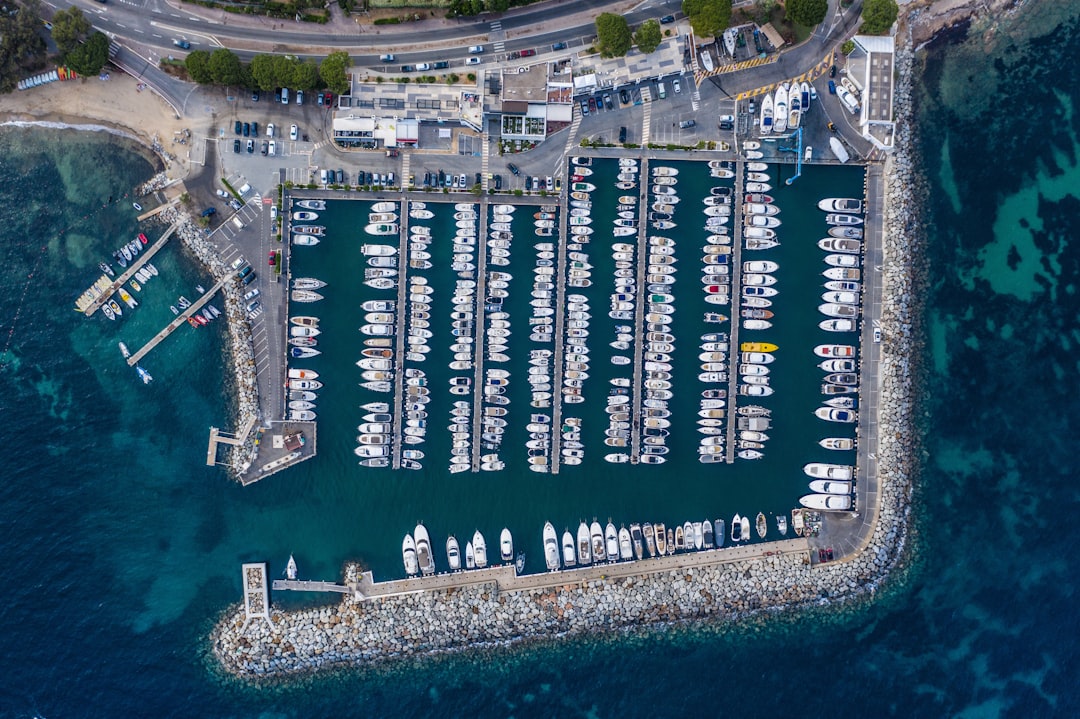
[(734, 356), (104, 287), (181, 319)]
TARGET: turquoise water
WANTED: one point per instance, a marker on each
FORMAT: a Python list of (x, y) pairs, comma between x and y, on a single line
[(121, 549)]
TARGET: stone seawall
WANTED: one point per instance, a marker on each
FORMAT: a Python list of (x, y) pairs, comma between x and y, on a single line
[(356, 632)]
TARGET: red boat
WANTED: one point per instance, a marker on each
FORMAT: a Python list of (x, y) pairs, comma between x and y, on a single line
[(142, 238), (715, 289)]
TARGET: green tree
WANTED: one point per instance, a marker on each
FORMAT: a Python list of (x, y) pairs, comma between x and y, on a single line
[(305, 75), (708, 17), (333, 72), (69, 27), (807, 12), (878, 16), (22, 48), (648, 36), (225, 67), (198, 66), (613, 35), (88, 59)]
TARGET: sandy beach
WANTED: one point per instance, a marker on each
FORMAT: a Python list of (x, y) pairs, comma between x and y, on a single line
[(117, 103)]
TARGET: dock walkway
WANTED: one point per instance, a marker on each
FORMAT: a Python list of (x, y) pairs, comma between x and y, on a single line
[(561, 271), (638, 386), (399, 350), (180, 319), (479, 335), (100, 292), (736, 303)]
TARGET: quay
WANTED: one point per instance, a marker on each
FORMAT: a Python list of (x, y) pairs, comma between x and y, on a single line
[(640, 345), (304, 585), (102, 289), (217, 437), (735, 356), (180, 320)]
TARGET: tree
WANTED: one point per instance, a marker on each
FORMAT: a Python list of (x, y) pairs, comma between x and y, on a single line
[(88, 59), (613, 35), (225, 67), (648, 36), (333, 72), (708, 17), (69, 27), (807, 12), (22, 48), (878, 16), (305, 75), (198, 66)]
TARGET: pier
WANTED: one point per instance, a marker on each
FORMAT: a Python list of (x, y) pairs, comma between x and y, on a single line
[(560, 327), (100, 292), (216, 438), (736, 303), (479, 335), (638, 386), (256, 593), (180, 320), (306, 585), (399, 351)]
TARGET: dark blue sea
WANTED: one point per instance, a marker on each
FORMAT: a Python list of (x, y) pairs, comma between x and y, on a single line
[(120, 549)]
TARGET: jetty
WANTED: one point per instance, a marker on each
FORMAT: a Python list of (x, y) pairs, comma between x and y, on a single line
[(479, 336), (734, 356), (103, 288), (218, 437), (560, 340), (638, 387), (399, 350), (181, 319)]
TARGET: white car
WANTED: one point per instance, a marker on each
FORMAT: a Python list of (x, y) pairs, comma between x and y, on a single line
[(423, 67), (474, 60), (299, 97), (727, 118), (272, 150), (252, 294), (293, 132), (270, 130), (675, 84)]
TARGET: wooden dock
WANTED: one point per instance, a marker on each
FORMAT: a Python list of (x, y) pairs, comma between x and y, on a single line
[(100, 292), (400, 335), (306, 585), (479, 335), (637, 389), (557, 354), (736, 303), (181, 319)]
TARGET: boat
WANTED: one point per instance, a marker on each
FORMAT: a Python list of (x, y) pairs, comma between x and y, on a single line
[(506, 545), (835, 414), (766, 115), (825, 486), (584, 545), (843, 220), (408, 554), (305, 216), (822, 470), (453, 553), (596, 534), (425, 558), (661, 539), (305, 240), (761, 525), (143, 375), (837, 443), (551, 547), (826, 502), (137, 206), (382, 228), (626, 545), (841, 204), (479, 550), (746, 528), (837, 325), (838, 149), (303, 352), (311, 204), (736, 528), (780, 109), (308, 283), (470, 555)]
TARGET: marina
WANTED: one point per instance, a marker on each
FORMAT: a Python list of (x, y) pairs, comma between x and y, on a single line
[(511, 334)]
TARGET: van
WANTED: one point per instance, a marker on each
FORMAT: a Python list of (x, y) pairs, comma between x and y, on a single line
[(390, 180), (284, 96), (244, 189), (238, 222), (386, 58), (661, 91), (476, 49)]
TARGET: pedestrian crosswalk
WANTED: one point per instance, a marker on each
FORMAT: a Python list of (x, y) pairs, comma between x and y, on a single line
[(485, 160), (497, 44), (406, 168), (570, 137), (646, 123), (695, 100), (646, 94)]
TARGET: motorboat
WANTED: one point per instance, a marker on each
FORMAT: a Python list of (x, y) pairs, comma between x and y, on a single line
[(766, 115), (584, 545), (408, 553), (551, 547), (843, 220), (841, 204), (425, 558), (661, 540), (305, 240), (479, 550), (835, 414), (824, 486), (826, 502), (453, 553), (822, 470), (837, 325), (837, 443), (736, 528)]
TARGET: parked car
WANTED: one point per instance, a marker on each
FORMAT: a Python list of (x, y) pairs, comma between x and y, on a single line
[(319, 100), (247, 129), (607, 101), (476, 49), (254, 129), (272, 258), (252, 294), (251, 147), (272, 150), (340, 176), (832, 71), (832, 87), (440, 65), (550, 182), (513, 169), (299, 97), (209, 211), (462, 182), (236, 146), (584, 107), (407, 68), (239, 127), (265, 147), (270, 130), (528, 183), (254, 95), (293, 132), (727, 118), (728, 126), (661, 91), (328, 98), (249, 279), (498, 182), (622, 135), (528, 53), (687, 124), (559, 46), (479, 179), (667, 19), (676, 85), (423, 67), (624, 96)]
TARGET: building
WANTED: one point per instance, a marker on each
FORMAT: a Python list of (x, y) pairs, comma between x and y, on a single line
[(533, 100), (870, 69), (352, 129)]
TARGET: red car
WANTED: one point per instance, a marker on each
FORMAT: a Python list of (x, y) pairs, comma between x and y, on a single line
[(273, 258), (528, 53), (327, 97)]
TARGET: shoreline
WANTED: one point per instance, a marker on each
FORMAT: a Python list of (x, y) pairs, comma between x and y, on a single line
[(357, 633)]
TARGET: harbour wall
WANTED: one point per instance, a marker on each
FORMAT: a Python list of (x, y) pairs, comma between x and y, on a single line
[(358, 631)]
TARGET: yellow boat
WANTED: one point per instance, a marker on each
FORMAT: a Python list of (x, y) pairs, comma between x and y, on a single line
[(758, 347)]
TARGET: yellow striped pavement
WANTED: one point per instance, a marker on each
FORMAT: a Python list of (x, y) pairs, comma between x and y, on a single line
[(701, 75), (810, 75)]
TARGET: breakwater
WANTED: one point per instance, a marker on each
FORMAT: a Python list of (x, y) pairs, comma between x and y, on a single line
[(359, 630), (241, 350)]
